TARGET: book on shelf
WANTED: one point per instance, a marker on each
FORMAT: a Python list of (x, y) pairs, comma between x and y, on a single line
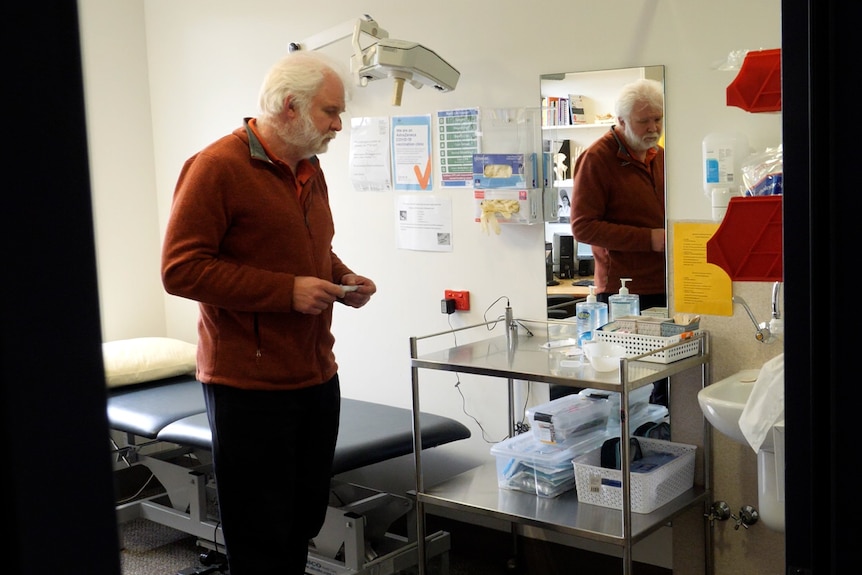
[(578, 107), (550, 106), (564, 113), (558, 111)]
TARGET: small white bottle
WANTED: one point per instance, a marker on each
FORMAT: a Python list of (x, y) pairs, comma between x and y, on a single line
[(590, 315), (624, 303), (723, 156)]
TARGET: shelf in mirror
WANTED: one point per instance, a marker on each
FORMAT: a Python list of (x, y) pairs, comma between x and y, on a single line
[(576, 126)]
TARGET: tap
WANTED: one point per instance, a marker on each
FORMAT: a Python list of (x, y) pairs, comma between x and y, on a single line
[(776, 289), (763, 334), (776, 324)]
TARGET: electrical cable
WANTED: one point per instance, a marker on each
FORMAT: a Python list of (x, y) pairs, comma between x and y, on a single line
[(493, 325), (520, 323), (213, 559), (139, 491), (215, 535), (521, 426), (485, 437)]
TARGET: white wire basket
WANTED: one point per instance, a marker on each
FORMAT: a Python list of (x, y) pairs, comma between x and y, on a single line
[(638, 344), (649, 491)]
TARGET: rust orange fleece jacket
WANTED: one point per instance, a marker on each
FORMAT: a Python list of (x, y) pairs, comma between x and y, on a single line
[(616, 201), (238, 234)]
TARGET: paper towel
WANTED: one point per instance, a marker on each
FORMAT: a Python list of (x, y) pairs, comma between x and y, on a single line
[(765, 405)]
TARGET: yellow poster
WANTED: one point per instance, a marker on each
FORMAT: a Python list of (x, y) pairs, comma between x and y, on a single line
[(699, 287)]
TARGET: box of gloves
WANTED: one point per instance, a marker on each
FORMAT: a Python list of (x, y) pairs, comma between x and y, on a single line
[(502, 206), (502, 171)]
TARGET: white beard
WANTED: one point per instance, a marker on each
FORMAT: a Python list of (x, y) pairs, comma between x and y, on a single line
[(306, 140)]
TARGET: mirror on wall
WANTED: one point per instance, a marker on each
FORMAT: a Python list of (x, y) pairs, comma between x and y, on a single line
[(577, 108)]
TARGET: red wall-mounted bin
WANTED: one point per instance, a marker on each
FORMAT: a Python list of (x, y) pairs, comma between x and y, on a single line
[(757, 86), (748, 243)]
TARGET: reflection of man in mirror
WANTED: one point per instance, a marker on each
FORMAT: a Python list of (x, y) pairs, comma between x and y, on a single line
[(564, 208), (618, 195)]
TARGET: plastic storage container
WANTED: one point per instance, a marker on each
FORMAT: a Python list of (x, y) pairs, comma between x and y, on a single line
[(650, 413), (568, 419), (748, 243), (649, 489), (638, 398), (672, 328), (637, 344), (757, 86), (640, 409), (647, 325), (526, 464)]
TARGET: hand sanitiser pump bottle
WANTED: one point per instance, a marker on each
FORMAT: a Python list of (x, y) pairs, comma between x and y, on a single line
[(591, 315), (624, 303)]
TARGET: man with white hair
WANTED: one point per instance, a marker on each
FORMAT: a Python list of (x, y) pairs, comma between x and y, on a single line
[(250, 239), (618, 195)]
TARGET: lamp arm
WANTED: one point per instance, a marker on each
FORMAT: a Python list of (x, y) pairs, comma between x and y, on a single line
[(355, 28)]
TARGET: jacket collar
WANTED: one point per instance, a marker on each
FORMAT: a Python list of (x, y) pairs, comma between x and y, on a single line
[(256, 149), (625, 152)]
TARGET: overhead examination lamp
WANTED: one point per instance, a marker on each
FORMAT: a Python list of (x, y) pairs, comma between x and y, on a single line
[(386, 58)]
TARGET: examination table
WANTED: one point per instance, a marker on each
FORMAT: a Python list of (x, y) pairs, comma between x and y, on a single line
[(163, 425)]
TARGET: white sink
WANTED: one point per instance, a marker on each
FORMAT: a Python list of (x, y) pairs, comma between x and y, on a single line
[(723, 401), (722, 404)]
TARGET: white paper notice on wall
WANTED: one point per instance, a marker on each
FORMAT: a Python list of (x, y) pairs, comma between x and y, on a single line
[(370, 168), (424, 222)]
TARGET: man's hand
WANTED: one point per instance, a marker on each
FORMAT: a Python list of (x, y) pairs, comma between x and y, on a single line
[(312, 295), (366, 289), (657, 239)]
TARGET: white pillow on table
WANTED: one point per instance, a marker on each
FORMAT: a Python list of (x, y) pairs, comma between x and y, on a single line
[(141, 359)]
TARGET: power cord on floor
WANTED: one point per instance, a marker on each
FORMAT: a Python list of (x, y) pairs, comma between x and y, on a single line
[(212, 561)]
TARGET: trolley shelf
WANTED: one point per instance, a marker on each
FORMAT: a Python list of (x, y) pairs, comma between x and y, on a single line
[(524, 356), (476, 491)]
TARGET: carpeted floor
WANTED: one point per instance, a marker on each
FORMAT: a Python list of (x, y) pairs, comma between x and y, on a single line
[(148, 548), (152, 549)]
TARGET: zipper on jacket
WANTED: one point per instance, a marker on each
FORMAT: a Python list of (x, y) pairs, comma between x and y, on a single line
[(257, 353)]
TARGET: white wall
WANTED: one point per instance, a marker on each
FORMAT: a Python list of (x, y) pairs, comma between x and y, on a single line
[(164, 78), (177, 75), (122, 168)]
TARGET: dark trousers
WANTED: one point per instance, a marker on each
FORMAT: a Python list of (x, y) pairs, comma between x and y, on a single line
[(272, 459)]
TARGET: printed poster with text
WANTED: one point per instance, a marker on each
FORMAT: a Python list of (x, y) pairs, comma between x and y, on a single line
[(411, 153), (458, 140), (424, 222), (698, 286), (369, 155)]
